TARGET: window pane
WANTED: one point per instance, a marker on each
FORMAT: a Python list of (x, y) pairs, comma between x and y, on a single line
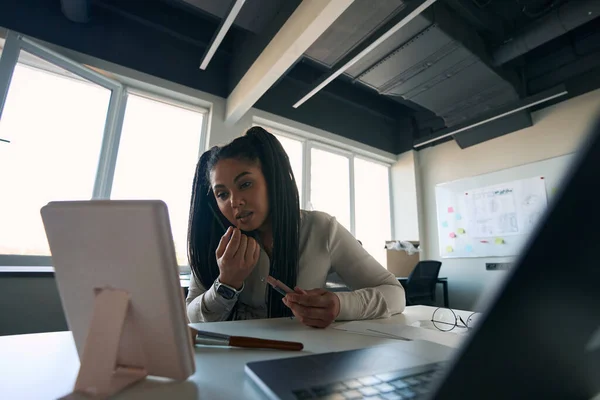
[(293, 148), (157, 159), (330, 184), (55, 125), (372, 202)]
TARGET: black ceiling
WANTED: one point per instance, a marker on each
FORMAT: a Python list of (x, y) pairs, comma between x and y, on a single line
[(457, 61)]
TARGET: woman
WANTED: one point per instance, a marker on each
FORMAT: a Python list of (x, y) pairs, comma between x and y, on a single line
[(246, 224)]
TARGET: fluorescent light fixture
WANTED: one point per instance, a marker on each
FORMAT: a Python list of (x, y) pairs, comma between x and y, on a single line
[(221, 32), (418, 10)]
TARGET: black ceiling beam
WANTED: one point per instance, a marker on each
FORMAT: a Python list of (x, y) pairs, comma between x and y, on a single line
[(171, 19), (496, 114), (116, 38), (480, 19), (338, 116)]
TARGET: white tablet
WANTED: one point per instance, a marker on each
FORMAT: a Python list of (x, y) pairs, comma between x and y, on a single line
[(124, 245)]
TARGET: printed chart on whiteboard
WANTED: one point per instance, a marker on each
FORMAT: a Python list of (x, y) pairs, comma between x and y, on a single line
[(490, 220), (504, 210)]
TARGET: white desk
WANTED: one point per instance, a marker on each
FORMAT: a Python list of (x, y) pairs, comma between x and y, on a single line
[(45, 365)]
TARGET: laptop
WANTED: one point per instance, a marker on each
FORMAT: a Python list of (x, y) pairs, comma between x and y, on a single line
[(538, 338)]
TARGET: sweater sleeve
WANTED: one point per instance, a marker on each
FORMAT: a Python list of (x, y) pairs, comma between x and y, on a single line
[(376, 293), (206, 305)]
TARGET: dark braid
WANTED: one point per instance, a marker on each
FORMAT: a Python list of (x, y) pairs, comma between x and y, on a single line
[(204, 230)]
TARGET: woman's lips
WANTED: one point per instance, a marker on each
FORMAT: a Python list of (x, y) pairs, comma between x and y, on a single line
[(245, 217)]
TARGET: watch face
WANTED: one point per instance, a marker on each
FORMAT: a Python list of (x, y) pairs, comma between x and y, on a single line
[(226, 292)]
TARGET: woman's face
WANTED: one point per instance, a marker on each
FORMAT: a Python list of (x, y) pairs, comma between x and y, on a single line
[(240, 190)]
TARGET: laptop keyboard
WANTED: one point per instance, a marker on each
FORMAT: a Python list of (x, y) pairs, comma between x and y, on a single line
[(395, 385)]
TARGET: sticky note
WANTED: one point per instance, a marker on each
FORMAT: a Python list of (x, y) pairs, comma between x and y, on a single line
[(458, 216), (452, 235), (445, 224), (468, 248), (499, 241), (484, 241), (554, 190), (449, 249), (460, 231), (450, 209)]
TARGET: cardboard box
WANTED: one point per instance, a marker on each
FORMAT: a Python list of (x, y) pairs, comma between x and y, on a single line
[(400, 263)]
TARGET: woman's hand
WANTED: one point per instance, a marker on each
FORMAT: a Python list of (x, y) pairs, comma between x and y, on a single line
[(317, 307), (237, 254)]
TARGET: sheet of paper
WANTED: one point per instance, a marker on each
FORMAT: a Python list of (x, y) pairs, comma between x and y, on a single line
[(402, 332), (363, 328)]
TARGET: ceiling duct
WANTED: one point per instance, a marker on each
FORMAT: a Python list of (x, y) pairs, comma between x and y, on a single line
[(554, 24), (76, 10), (439, 63)]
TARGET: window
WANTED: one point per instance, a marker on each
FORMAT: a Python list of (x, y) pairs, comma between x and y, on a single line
[(55, 125), (330, 185), (372, 206), (159, 149), (67, 143), (345, 184), (294, 150)]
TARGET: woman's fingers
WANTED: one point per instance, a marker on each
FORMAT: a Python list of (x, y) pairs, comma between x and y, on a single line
[(314, 323), (256, 253), (301, 291), (313, 305), (307, 312), (223, 242), (233, 244), (241, 251), (250, 250)]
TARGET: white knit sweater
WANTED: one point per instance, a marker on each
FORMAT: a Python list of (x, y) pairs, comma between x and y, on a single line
[(325, 246)]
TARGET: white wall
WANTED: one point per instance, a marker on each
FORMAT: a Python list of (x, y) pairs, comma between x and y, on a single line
[(557, 130), (404, 198)]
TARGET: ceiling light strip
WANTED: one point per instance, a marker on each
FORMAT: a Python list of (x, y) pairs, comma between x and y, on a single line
[(221, 32)]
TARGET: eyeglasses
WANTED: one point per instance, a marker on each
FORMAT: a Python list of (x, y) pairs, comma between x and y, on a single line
[(446, 320)]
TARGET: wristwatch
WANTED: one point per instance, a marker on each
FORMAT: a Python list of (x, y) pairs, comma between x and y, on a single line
[(227, 292)]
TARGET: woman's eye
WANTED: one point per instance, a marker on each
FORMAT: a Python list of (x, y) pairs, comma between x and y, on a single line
[(245, 185), (221, 196)]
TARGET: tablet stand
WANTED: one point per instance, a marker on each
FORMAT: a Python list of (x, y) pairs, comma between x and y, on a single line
[(99, 374)]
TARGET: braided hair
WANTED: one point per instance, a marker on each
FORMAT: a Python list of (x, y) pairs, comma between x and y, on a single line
[(206, 222)]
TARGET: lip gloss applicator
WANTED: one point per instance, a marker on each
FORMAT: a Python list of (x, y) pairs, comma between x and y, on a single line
[(277, 285)]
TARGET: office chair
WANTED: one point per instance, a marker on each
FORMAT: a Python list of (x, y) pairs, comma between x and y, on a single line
[(420, 285)]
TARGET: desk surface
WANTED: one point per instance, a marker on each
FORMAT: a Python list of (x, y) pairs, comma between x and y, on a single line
[(45, 365)]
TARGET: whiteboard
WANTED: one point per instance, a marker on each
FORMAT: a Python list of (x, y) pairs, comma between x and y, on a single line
[(492, 215)]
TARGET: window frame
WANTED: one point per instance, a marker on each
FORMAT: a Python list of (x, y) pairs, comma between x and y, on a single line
[(120, 88), (309, 142)]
